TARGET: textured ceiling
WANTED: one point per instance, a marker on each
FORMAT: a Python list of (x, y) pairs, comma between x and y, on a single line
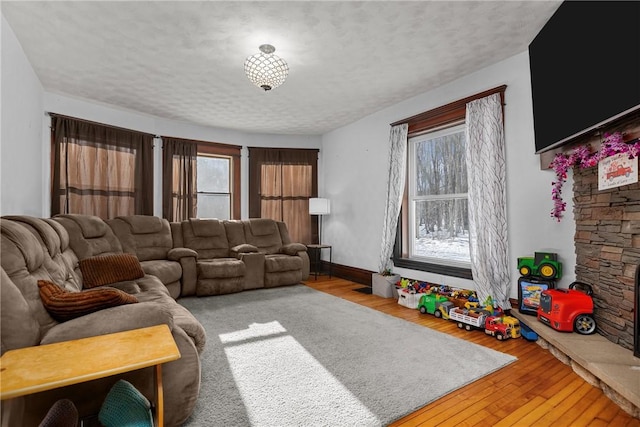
[(183, 60)]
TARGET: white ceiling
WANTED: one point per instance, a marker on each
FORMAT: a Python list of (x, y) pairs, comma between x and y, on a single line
[(183, 60)]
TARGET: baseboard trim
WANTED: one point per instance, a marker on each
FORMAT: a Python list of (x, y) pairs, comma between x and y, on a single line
[(354, 274)]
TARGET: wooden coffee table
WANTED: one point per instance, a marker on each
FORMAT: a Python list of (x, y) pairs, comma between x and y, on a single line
[(35, 369)]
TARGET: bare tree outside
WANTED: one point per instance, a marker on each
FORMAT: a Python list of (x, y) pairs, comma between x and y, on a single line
[(441, 224)]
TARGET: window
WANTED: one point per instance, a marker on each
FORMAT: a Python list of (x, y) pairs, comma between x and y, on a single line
[(281, 181), (434, 214), (438, 207), (200, 180), (214, 186), (218, 183), (100, 170)]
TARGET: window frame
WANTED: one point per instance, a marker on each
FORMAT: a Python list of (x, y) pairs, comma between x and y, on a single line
[(230, 193), (428, 121), (232, 152), (413, 198)]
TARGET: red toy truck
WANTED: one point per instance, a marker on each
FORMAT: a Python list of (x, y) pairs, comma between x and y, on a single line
[(568, 309), (502, 327)]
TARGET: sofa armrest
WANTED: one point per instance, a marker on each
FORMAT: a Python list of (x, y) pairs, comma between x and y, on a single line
[(293, 248), (176, 254), (243, 248), (110, 320), (254, 272)]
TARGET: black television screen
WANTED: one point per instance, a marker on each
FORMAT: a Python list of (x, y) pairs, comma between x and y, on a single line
[(585, 69)]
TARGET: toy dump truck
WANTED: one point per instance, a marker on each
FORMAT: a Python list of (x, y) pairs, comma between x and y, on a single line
[(438, 305), (468, 319), (502, 327)]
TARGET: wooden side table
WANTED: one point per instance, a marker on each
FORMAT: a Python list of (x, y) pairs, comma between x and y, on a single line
[(35, 369), (316, 258)]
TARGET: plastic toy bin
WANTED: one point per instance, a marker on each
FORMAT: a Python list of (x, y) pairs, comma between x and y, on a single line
[(408, 300)]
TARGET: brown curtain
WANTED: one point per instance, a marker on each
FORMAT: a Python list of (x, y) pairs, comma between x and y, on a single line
[(281, 181), (179, 177), (100, 170)]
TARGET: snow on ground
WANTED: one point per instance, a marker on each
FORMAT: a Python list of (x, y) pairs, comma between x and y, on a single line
[(456, 248)]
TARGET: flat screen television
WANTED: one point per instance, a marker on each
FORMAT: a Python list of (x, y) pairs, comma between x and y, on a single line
[(585, 69)]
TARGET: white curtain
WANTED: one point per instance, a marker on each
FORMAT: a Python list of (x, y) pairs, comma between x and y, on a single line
[(395, 189), (486, 172)]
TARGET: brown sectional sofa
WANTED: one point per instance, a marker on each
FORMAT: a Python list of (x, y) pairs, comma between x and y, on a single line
[(196, 257)]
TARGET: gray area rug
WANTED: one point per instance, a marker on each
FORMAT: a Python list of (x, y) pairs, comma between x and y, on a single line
[(293, 356)]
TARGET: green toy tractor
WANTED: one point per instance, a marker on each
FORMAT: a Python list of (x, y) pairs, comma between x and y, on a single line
[(542, 264)]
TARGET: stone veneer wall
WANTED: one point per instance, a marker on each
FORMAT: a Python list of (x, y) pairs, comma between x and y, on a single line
[(607, 244)]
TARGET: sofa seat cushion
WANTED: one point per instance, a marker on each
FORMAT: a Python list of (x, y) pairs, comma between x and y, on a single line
[(220, 268), (279, 262), (167, 271)]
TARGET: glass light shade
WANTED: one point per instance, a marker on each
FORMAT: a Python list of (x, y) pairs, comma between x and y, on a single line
[(265, 69), (319, 206)]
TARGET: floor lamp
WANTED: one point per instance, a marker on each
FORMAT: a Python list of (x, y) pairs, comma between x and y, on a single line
[(318, 206)]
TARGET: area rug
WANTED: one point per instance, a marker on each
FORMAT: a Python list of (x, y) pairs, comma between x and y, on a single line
[(293, 356)]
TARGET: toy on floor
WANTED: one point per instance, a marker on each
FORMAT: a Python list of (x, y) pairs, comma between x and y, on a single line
[(438, 305), (527, 333), (501, 327), (568, 309)]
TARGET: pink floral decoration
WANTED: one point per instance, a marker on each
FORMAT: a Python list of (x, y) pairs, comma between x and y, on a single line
[(583, 157)]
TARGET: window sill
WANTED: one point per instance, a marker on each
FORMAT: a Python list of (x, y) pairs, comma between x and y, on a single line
[(464, 273)]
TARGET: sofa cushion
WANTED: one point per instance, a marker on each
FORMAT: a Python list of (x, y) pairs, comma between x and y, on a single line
[(18, 326), (91, 226), (64, 305), (166, 271), (293, 248), (206, 228), (264, 234), (89, 235), (148, 237), (107, 269), (263, 226), (143, 224), (220, 268), (278, 263), (207, 237)]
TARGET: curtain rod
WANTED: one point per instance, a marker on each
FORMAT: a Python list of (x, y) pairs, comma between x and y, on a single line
[(452, 105), (49, 113)]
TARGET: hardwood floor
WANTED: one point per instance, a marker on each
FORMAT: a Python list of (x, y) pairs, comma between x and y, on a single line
[(536, 390)]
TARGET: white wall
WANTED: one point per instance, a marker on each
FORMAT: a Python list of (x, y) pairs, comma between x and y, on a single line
[(355, 177), (22, 165)]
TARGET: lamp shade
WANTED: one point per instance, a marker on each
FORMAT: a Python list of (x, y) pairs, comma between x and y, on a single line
[(319, 206)]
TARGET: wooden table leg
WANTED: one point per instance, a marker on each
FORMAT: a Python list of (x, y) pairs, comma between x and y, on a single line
[(159, 397)]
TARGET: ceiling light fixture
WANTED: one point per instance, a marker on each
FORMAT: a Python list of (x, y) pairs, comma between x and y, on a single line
[(266, 70)]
